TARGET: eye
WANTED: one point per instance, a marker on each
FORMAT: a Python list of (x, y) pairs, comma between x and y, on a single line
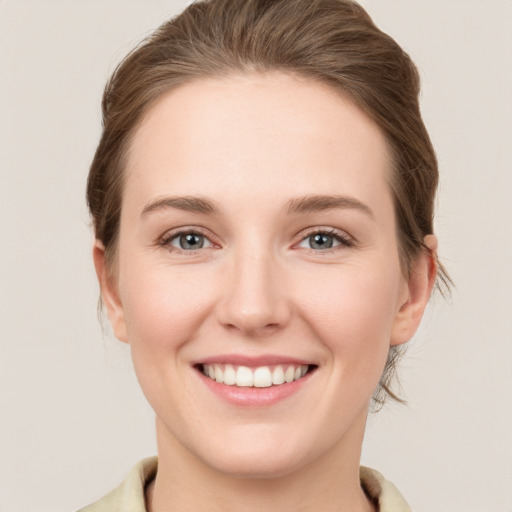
[(325, 239), (186, 241)]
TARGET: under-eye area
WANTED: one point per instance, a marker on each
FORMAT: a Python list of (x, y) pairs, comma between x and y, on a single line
[(257, 377)]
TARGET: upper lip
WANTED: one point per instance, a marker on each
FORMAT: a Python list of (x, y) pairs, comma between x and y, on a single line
[(252, 361)]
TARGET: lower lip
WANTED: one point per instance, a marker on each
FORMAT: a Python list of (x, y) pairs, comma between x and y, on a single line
[(251, 396)]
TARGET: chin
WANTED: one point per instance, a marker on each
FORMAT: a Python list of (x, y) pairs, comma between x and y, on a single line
[(261, 465), (262, 454)]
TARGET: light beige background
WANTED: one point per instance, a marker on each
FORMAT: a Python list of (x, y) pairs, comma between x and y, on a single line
[(72, 419)]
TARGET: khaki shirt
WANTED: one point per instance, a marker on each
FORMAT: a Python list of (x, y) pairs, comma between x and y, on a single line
[(129, 496)]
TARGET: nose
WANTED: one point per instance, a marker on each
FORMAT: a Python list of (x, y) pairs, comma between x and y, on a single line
[(254, 300)]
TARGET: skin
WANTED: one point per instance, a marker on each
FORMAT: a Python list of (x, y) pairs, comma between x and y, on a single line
[(251, 144)]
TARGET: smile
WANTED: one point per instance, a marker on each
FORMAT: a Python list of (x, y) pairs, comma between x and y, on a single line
[(258, 377)]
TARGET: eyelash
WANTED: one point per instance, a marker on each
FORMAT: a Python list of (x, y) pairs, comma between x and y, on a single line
[(339, 236)]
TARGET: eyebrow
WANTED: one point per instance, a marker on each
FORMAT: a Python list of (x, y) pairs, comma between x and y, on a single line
[(192, 204), (317, 203), (306, 204)]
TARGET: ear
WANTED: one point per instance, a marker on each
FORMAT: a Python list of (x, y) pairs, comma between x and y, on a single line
[(109, 292), (416, 294)]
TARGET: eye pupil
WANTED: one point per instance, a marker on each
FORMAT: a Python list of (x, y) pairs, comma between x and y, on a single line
[(321, 241), (191, 241)]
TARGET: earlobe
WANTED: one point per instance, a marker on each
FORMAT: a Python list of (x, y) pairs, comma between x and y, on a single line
[(109, 293), (421, 280)]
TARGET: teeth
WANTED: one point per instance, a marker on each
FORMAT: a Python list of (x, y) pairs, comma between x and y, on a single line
[(219, 374), (229, 375), (278, 375), (289, 374), (244, 377), (261, 377)]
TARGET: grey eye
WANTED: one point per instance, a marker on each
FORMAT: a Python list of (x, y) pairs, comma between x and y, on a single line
[(321, 241), (189, 241), (325, 240)]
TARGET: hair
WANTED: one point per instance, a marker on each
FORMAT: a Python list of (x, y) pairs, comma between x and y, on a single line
[(333, 42)]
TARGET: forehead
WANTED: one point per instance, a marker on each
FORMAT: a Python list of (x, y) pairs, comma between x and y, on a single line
[(275, 133)]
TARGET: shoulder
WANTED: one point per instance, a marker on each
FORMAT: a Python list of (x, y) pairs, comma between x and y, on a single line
[(129, 496), (382, 491)]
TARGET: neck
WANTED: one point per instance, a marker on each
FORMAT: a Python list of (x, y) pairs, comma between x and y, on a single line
[(185, 483)]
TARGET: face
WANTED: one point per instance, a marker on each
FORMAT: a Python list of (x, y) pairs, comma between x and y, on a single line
[(258, 279)]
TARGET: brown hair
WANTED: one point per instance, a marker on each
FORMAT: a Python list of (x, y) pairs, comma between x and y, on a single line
[(331, 41)]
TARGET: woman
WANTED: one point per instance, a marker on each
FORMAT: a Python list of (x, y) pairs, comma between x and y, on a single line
[(262, 198)]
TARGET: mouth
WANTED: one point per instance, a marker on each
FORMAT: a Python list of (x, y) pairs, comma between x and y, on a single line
[(241, 376)]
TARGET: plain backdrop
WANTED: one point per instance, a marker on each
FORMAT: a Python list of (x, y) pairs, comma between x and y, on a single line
[(72, 418)]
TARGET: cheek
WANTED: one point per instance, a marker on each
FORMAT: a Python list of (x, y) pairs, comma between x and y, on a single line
[(163, 305), (164, 309), (352, 311)]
